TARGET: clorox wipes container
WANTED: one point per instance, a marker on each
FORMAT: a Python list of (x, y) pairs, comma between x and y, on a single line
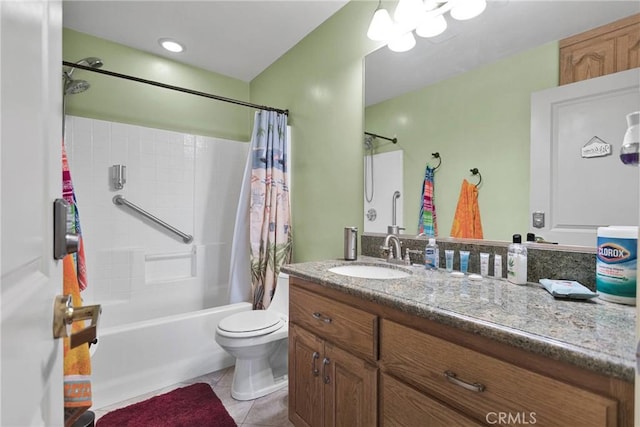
[(616, 264)]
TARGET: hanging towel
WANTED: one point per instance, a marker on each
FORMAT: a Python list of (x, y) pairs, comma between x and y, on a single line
[(466, 222), (77, 361), (74, 226), (427, 223)]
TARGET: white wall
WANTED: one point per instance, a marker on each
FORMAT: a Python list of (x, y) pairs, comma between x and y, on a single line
[(387, 178), (190, 182)]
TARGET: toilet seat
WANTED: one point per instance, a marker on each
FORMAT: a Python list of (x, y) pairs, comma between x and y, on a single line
[(250, 324)]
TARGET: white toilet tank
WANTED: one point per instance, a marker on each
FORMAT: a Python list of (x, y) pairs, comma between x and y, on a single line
[(280, 300)]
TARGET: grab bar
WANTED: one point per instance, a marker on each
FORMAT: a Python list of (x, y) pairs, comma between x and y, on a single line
[(120, 200)]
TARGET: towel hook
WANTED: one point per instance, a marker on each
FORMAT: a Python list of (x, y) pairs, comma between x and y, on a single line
[(437, 156), (475, 171)]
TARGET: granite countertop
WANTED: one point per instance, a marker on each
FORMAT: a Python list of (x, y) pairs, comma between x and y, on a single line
[(596, 335)]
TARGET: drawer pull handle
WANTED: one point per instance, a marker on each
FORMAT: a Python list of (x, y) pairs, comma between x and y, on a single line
[(325, 362), (320, 316), (315, 370), (453, 378)]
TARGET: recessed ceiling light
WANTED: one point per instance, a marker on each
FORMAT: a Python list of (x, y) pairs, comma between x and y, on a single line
[(171, 45)]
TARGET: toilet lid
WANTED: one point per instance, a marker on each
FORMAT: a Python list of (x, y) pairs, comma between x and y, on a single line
[(250, 323)]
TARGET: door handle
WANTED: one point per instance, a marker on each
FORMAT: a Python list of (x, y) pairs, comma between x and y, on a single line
[(64, 243), (64, 314), (325, 376)]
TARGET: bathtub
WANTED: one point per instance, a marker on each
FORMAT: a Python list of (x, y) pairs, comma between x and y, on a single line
[(136, 358)]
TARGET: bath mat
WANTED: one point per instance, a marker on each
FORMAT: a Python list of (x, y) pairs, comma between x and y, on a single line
[(194, 405)]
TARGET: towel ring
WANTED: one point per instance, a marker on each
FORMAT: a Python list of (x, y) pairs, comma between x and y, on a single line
[(437, 156), (475, 171)]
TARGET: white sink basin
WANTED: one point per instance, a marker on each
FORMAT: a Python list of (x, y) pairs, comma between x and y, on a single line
[(370, 272)]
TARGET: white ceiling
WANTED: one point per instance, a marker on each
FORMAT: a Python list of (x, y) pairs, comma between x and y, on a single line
[(237, 38), (241, 38)]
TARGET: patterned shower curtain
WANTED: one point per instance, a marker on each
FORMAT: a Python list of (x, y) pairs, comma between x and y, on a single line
[(270, 211)]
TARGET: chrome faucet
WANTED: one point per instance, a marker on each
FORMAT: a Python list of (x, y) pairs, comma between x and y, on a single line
[(393, 254)]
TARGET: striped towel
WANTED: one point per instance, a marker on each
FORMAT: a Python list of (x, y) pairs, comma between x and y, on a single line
[(427, 223), (70, 196), (77, 361)]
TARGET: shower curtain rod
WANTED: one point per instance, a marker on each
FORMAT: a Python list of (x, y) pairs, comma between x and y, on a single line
[(176, 88), (394, 140)]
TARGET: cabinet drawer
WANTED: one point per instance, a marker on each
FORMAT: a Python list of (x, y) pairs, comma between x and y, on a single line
[(339, 323), (486, 388), (403, 406)]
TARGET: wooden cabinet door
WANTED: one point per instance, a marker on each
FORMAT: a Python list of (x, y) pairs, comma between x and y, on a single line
[(305, 380), (593, 58), (350, 387)]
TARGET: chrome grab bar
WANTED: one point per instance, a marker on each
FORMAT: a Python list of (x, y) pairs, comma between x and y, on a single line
[(120, 200)]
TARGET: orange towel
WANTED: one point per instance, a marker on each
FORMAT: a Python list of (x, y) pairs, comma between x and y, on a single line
[(77, 361), (466, 222)]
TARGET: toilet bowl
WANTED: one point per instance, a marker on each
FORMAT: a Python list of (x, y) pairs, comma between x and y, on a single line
[(258, 340)]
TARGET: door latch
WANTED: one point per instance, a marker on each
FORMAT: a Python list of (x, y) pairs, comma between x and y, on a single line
[(64, 242), (64, 314)]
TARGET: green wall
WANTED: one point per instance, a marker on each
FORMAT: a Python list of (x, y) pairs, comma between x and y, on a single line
[(320, 81), (479, 119), (114, 99)]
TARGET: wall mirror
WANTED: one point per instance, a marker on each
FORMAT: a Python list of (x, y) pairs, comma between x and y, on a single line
[(467, 95)]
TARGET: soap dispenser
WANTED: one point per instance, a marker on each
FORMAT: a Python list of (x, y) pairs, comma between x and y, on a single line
[(517, 261)]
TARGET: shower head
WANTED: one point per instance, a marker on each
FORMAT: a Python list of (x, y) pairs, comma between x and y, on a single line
[(91, 61), (73, 87)]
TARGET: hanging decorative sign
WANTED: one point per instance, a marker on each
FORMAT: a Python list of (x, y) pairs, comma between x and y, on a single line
[(596, 148)]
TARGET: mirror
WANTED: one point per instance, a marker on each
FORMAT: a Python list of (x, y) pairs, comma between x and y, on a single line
[(467, 95)]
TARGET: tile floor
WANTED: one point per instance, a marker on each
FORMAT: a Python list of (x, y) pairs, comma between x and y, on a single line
[(270, 410)]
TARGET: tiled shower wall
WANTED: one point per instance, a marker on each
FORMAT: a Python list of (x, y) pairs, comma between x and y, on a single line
[(191, 182)]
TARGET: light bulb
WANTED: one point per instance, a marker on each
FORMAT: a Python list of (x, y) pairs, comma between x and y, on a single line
[(171, 45), (403, 43), (467, 9), (381, 26), (630, 150), (408, 12), (432, 26)]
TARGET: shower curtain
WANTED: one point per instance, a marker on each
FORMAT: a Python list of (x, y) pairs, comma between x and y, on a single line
[(269, 213)]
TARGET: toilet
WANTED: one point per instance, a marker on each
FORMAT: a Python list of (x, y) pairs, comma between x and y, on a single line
[(258, 339)]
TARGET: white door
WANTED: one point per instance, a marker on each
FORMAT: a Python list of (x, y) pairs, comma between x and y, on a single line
[(578, 194), (30, 167)]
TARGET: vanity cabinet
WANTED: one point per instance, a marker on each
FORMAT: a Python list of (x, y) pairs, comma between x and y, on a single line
[(356, 362), (332, 372), (604, 50)]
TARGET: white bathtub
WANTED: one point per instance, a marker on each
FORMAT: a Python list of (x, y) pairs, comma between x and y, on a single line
[(140, 357)]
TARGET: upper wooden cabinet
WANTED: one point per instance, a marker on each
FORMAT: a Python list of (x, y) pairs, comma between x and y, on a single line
[(604, 50)]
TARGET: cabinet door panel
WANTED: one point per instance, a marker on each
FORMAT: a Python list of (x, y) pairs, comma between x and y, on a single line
[(403, 406), (305, 382), (350, 389), (587, 60)]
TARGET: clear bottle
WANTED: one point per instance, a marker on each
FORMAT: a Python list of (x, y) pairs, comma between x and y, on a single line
[(431, 255), (517, 261)]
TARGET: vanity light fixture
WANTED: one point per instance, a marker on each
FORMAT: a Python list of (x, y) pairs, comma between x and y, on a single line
[(171, 45), (425, 17)]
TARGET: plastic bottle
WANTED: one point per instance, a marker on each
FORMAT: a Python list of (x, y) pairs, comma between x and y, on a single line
[(431, 255), (517, 261)]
